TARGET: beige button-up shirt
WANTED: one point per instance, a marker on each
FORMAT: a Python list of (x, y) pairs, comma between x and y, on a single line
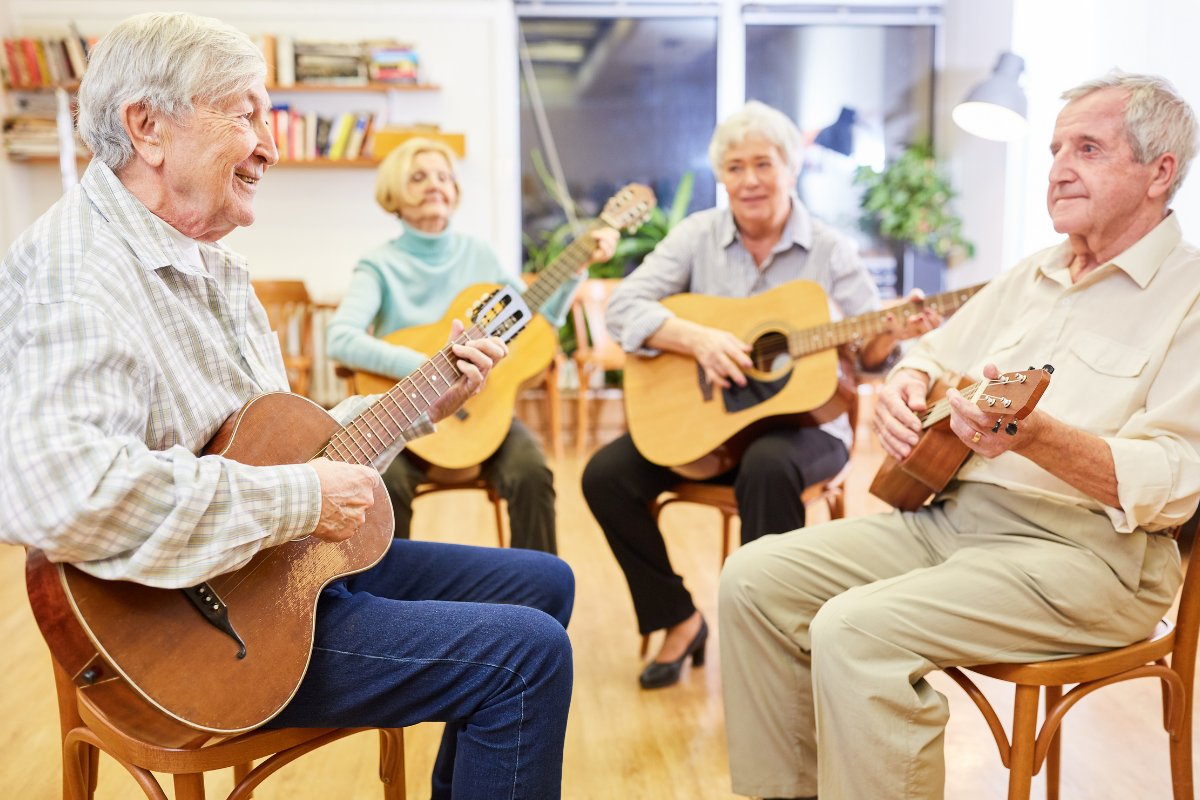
[(1124, 342)]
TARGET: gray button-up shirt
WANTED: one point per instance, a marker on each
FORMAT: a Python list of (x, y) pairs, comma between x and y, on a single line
[(704, 254)]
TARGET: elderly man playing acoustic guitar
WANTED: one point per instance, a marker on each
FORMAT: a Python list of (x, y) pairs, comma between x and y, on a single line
[(128, 335), (1050, 542)]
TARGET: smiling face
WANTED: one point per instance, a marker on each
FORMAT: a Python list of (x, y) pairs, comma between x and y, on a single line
[(1096, 187), (430, 183), (212, 164), (758, 181)]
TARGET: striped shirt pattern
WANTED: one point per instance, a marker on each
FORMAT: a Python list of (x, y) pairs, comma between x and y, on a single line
[(704, 254), (118, 363)]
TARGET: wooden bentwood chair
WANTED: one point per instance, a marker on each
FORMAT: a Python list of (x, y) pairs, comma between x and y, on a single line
[(595, 349), (1031, 748), (284, 302)]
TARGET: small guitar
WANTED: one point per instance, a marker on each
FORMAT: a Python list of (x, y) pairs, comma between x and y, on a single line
[(227, 655), (938, 454), (680, 420), (478, 429)]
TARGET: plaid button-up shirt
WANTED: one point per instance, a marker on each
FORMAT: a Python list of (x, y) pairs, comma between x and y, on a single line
[(118, 363)]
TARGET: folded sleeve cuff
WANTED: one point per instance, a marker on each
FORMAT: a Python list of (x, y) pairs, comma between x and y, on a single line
[(298, 502), (1144, 483), (919, 363), (641, 325)]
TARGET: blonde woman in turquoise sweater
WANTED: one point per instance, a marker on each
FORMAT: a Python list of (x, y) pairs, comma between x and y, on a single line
[(411, 281)]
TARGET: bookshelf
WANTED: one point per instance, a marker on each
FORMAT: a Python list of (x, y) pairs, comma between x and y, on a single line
[(378, 88)]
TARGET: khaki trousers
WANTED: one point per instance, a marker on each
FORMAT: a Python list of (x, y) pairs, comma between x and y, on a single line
[(827, 632)]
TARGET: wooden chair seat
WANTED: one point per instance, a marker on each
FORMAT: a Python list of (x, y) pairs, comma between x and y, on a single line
[(443, 480), (1031, 748)]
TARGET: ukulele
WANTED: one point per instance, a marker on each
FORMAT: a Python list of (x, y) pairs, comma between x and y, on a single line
[(938, 454), (227, 655), (678, 419), (476, 431)]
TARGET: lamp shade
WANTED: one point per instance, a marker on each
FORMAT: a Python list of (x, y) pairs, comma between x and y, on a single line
[(996, 109)]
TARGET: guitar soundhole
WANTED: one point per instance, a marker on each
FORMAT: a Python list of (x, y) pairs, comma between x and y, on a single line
[(770, 352)]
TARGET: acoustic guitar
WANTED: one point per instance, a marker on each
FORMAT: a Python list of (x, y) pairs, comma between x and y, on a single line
[(478, 429), (939, 453), (227, 655), (679, 419)]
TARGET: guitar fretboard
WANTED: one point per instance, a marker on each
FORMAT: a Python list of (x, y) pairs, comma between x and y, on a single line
[(385, 420), (568, 262), (865, 326)]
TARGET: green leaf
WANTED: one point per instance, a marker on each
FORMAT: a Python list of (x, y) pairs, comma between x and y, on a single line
[(683, 198)]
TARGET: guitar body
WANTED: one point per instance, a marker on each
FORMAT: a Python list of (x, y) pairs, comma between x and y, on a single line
[(679, 420), (158, 644), (938, 454), (461, 443)]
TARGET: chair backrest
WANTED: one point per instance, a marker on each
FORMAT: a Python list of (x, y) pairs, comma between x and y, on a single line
[(591, 331), (287, 304), (1187, 628)]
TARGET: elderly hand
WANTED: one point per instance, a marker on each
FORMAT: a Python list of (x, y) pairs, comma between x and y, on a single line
[(895, 422), (917, 324), (721, 354), (347, 491), (606, 245), (476, 359), (974, 426)]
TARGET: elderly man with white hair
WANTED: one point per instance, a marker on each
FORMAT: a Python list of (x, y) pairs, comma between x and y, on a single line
[(128, 335), (1052, 541), (765, 238)]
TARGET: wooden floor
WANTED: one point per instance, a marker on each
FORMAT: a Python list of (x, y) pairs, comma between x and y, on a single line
[(622, 743)]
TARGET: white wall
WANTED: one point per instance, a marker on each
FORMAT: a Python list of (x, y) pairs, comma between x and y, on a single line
[(314, 223)]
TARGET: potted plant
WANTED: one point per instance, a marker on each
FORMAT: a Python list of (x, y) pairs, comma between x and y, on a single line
[(909, 203)]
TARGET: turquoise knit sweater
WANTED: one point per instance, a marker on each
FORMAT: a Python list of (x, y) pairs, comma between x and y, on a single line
[(411, 281)]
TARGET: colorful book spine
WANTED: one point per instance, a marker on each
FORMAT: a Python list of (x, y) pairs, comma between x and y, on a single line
[(310, 136), (40, 54), (340, 136), (16, 66), (31, 63)]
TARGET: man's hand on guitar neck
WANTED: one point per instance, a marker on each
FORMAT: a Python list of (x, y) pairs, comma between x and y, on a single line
[(475, 361), (721, 354), (895, 421)]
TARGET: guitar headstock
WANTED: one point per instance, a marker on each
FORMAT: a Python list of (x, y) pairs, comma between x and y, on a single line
[(629, 208), (1013, 395), (501, 313)]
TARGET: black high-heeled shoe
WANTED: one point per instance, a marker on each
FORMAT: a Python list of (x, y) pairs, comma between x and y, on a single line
[(656, 675)]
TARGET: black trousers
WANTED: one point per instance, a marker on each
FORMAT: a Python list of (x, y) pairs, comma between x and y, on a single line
[(519, 474), (620, 485)]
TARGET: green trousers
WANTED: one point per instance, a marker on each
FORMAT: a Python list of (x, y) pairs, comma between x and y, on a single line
[(827, 632), (519, 474)]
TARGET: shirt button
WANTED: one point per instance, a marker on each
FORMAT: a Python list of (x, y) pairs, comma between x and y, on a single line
[(1066, 301)]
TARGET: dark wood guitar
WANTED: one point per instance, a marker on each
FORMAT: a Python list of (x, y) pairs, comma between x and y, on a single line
[(938, 454), (227, 655), (680, 420), (477, 430)]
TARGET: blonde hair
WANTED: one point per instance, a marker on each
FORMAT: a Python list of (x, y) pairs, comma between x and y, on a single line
[(1157, 119), (391, 181)]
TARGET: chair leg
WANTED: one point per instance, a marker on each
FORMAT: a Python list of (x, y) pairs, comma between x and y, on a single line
[(581, 412), (240, 771), (1181, 751), (496, 506), (190, 786), (1054, 752), (554, 409), (391, 763), (69, 719), (726, 524), (1024, 736)]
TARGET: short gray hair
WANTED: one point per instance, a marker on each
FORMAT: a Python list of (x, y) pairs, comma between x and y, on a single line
[(769, 123), (169, 62), (1157, 119)]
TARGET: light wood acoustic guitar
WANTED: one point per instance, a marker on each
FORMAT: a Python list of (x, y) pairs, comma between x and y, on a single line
[(938, 454), (680, 420), (227, 655), (477, 430)]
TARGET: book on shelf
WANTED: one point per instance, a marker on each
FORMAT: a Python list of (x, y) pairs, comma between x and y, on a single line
[(392, 62), (30, 63), (358, 135), (34, 137), (285, 61), (311, 127), (266, 45)]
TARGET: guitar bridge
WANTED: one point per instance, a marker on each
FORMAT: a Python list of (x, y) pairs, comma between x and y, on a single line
[(213, 609)]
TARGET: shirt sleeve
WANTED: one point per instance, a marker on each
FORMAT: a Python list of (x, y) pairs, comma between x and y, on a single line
[(346, 337), (78, 481), (850, 283), (634, 311)]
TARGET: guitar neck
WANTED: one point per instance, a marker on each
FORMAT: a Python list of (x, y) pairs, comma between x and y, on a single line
[(941, 408), (568, 262), (865, 326), (384, 421)]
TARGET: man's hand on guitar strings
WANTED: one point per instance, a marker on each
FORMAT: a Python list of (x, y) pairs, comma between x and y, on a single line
[(916, 324), (475, 361), (978, 429), (347, 491), (895, 421)]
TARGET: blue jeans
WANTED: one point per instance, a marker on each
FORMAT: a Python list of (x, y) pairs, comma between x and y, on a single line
[(472, 636)]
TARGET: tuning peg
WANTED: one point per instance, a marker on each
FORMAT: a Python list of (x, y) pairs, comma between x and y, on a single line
[(1049, 369), (1011, 429), (996, 427)]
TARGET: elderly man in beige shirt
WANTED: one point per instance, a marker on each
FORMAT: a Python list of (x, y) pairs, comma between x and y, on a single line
[(1049, 542)]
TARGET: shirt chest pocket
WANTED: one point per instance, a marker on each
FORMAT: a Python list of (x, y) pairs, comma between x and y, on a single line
[(1105, 388)]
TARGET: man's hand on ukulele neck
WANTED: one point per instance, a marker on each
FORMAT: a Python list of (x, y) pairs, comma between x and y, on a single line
[(979, 430), (895, 421)]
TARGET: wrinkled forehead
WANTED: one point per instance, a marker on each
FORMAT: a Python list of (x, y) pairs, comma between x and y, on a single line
[(752, 146), (1099, 116)]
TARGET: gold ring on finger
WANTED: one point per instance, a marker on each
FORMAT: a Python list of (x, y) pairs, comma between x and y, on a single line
[(977, 436)]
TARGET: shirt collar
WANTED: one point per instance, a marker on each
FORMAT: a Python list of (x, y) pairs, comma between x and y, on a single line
[(798, 230), (1140, 261), (144, 232)]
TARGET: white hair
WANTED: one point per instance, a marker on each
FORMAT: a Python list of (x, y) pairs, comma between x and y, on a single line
[(1157, 119), (769, 123), (170, 63)]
